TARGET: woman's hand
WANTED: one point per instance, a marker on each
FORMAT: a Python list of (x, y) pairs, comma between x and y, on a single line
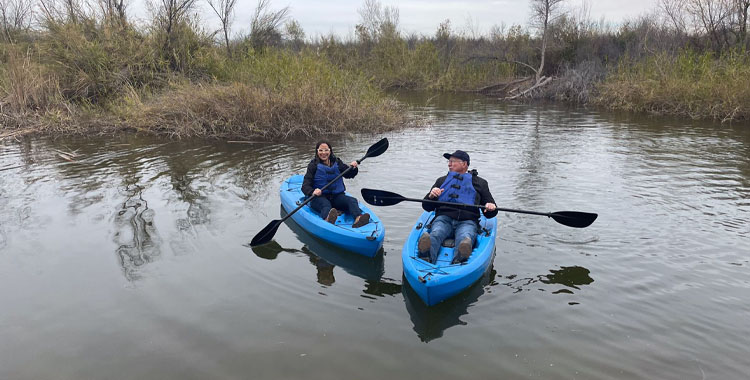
[(317, 192), (353, 164)]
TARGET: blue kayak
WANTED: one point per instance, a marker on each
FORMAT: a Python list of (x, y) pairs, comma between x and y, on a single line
[(437, 282), (365, 240)]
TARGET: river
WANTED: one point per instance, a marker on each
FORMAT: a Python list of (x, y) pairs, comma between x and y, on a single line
[(127, 257)]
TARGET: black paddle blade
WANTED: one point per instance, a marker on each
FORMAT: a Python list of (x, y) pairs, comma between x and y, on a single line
[(575, 219), (381, 197), (266, 234), (378, 148)]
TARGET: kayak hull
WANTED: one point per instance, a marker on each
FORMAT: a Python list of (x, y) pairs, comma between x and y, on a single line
[(366, 240), (437, 282)]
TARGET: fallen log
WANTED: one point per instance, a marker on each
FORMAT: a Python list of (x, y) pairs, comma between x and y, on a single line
[(542, 82)]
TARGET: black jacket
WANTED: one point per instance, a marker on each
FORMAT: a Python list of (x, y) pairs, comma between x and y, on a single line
[(462, 213), (308, 183)]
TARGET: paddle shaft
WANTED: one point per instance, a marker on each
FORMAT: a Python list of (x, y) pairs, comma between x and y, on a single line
[(575, 219), (463, 205), (548, 214)]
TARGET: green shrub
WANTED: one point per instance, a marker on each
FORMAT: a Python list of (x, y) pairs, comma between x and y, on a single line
[(692, 84)]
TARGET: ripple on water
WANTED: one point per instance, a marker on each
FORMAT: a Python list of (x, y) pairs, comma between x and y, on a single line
[(654, 288)]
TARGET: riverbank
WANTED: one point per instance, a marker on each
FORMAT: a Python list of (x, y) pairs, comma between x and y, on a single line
[(93, 73), (274, 95), (698, 86)]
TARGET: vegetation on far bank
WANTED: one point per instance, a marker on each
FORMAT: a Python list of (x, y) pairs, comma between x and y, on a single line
[(82, 66), (96, 72), (700, 86)]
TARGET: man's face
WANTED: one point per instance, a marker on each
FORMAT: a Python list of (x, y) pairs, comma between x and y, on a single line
[(457, 165)]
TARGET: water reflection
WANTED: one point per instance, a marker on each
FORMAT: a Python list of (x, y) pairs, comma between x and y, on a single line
[(324, 269), (439, 103), (431, 322), (135, 232), (183, 184), (271, 250), (326, 257), (381, 288), (356, 265), (571, 277), (534, 166)]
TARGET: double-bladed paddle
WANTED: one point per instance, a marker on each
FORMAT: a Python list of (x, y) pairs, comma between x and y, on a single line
[(569, 218), (266, 234)]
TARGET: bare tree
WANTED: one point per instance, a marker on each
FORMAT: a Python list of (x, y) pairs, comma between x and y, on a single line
[(264, 28), (497, 32), (544, 12), (712, 17), (60, 11), (169, 14), (377, 21), (225, 10), (294, 33), (741, 9), (114, 10), (15, 15), (674, 12)]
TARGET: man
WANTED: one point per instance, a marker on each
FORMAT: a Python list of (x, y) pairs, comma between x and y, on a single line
[(460, 186)]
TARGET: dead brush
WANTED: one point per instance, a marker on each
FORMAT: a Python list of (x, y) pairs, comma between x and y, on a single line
[(27, 86), (241, 110)]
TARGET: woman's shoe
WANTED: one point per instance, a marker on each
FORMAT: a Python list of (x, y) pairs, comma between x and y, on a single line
[(332, 216)]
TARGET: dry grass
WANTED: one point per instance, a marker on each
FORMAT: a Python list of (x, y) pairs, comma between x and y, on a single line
[(239, 110), (26, 86), (273, 95), (698, 86)]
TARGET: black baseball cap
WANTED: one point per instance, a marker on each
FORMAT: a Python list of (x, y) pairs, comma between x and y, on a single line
[(460, 154)]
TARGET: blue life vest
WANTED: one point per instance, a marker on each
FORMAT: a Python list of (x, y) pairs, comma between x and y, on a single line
[(458, 188), (325, 174)]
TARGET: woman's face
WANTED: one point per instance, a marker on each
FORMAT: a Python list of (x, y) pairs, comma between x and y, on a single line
[(324, 151)]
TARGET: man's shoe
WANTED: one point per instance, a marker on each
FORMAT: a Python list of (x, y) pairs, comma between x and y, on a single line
[(361, 220), (464, 249), (332, 216), (423, 247)]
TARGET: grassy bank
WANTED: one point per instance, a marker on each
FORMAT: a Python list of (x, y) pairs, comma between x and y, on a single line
[(89, 71), (276, 95), (696, 85), (394, 62), (98, 77)]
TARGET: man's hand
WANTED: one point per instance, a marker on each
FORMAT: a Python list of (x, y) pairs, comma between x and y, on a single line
[(435, 192), (353, 164), (490, 207), (317, 192)]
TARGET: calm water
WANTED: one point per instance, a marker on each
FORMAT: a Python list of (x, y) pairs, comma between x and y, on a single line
[(132, 262)]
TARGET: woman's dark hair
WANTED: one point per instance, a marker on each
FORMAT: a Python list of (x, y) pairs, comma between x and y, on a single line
[(321, 142)]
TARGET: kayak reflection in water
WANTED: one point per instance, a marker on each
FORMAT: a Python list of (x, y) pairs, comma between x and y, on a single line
[(321, 171)]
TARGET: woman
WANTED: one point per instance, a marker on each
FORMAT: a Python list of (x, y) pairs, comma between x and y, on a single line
[(327, 203)]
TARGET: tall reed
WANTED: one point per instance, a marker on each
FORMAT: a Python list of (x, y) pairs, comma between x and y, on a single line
[(273, 95), (689, 84)]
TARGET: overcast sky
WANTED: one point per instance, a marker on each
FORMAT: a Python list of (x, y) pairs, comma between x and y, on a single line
[(323, 17)]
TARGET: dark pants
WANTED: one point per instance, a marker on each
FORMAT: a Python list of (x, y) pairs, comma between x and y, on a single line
[(340, 201)]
